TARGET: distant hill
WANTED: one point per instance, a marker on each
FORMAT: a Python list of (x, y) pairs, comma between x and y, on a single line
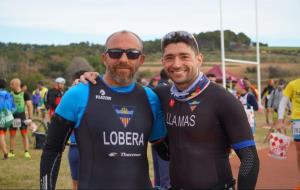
[(32, 62)]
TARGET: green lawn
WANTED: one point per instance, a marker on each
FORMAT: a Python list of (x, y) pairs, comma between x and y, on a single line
[(20, 173)]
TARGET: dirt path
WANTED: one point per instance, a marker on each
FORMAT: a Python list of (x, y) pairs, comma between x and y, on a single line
[(274, 174)]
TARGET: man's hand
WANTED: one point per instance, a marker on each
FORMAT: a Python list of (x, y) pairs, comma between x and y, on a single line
[(280, 126), (89, 76)]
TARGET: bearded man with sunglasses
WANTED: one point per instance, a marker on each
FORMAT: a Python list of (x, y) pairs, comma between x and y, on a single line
[(113, 121), (203, 121)]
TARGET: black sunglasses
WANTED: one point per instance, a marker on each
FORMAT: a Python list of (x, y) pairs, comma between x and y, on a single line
[(117, 53)]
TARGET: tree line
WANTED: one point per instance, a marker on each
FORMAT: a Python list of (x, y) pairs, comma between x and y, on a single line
[(34, 62)]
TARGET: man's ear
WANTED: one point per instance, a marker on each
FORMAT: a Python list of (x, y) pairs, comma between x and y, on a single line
[(199, 59), (142, 59), (103, 57)]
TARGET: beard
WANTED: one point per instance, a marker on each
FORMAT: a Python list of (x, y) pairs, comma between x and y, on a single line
[(123, 76)]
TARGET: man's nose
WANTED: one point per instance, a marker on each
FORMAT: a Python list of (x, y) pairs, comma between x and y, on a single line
[(124, 57), (177, 62)]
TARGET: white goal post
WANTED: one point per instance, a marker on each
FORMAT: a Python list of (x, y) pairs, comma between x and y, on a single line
[(224, 59)]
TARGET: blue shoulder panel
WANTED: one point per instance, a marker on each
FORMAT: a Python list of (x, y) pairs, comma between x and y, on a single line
[(73, 103), (158, 129)]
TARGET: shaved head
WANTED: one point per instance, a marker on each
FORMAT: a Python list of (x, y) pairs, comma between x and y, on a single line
[(15, 84), (122, 33)]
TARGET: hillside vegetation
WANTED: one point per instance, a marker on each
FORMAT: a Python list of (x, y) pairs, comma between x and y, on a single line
[(32, 62)]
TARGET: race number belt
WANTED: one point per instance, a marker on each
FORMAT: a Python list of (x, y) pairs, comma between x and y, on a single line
[(296, 127), (17, 123)]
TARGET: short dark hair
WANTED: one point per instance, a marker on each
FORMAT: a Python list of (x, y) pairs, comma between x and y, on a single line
[(2, 83), (180, 36), (23, 84), (77, 74), (210, 75)]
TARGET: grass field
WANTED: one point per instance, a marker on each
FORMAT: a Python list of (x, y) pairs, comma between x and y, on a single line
[(20, 173)]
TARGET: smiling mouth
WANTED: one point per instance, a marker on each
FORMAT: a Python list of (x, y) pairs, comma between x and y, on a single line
[(178, 71)]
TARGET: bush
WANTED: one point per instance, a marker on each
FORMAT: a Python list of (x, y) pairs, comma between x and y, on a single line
[(276, 72)]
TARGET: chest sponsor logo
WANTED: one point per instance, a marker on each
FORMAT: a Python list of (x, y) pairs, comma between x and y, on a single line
[(124, 113), (113, 154), (193, 105), (124, 154), (123, 138), (177, 120), (102, 95)]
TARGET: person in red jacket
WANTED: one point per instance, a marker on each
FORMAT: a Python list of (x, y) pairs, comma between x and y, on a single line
[(54, 95)]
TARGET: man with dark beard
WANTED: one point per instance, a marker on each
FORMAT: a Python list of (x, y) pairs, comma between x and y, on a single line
[(113, 121)]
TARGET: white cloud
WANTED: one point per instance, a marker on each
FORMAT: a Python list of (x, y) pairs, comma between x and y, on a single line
[(152, 18)]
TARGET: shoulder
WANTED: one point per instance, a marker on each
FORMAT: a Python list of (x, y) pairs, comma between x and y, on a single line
[(152, 96), (5, 94), (26, 96), (162, 90), (250, 95), (220, 97), (217, 91), (294, 83), (74, 100), (26, 93), (77, 90)]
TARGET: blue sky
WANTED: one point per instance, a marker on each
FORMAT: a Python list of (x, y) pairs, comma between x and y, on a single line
[(72, 21)]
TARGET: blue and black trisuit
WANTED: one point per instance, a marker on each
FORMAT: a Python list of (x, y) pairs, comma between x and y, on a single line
[(112, 127), (201, 133)]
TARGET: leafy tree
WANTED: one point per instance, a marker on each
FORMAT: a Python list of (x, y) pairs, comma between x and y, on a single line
[(243, 38)]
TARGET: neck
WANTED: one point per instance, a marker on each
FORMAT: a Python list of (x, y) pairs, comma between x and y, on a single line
[(186, 85), (243, 92), (18, 90)]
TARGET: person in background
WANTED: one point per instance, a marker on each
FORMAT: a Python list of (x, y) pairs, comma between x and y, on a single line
[(292, 92), (275, 98), (265, 95), (248, 100), (153, 82), (212, 77), (36, 99), (54, 95), (40, 92), (6, 104), (24, 88), (161, 167), (143, 81), (22, 101)]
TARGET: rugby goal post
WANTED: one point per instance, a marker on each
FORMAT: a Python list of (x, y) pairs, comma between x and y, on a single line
[(224, 59)]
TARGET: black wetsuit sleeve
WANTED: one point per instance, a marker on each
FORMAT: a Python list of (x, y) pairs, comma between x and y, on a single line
[(233, 118), (26, 96), (249, 167), (58, 135)]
